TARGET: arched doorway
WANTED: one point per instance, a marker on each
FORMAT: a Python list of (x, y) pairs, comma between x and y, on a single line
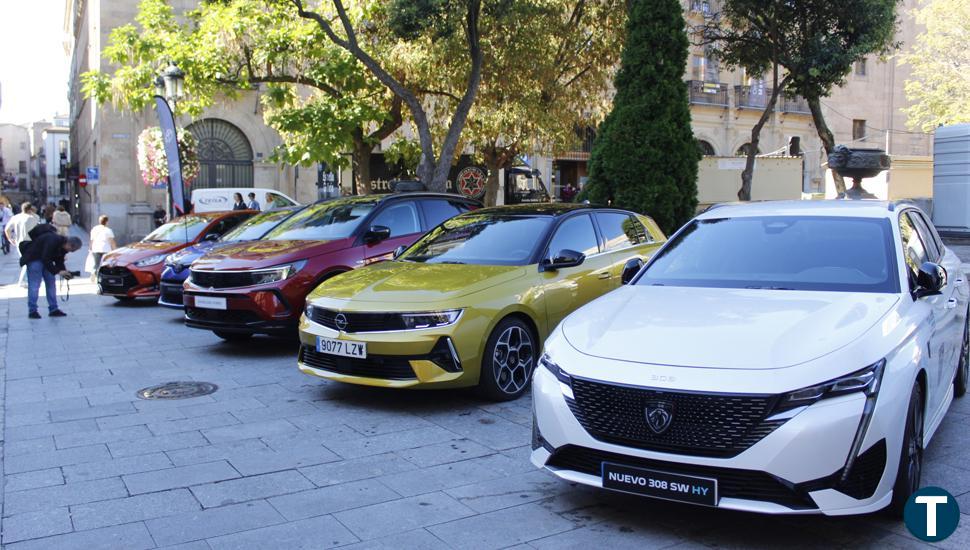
[(225, 156), (706, 148)]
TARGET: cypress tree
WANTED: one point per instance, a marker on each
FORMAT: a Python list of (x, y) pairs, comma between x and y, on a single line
[(645, 155)]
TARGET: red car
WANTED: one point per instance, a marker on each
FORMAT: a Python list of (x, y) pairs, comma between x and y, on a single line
[(259, 287), (134, 271)]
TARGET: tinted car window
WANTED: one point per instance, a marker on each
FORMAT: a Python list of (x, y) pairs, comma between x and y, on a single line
[(323, 221), (439, 210), (481, 239), (923, 229), (401, 217), (276, 200), (256, 227), (914, 250), (621, 230), (575, 233), (181, 229), (780, 252)]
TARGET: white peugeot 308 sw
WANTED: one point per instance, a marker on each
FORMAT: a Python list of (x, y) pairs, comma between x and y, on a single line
[(779, 357)]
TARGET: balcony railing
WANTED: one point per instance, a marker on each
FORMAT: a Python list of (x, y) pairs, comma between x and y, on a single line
[(795, 104), (708, 93), (751, 97)]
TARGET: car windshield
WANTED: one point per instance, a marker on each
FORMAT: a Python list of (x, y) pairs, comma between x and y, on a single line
[(481, 239), (324, 221), (779, 252), (183, 229), (256, 227)]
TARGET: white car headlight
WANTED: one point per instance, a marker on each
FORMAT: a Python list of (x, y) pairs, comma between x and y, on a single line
[(276, 273), (151, 260), (866, 380), (430, 319)]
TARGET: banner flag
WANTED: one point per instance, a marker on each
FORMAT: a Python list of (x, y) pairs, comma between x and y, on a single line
[(167, 123)]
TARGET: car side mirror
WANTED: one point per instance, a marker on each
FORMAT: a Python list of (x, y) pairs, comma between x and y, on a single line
[(930, 279), (211, 237), (630, 270), (563, 258), (398, 251), (376, 234)]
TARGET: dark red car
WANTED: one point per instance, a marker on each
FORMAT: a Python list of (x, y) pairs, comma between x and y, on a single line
[(259, 287), (134, 271)]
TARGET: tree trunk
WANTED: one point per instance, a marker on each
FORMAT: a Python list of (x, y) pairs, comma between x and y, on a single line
[(362, 153), (491, 182), (828, 140), (744, 194)]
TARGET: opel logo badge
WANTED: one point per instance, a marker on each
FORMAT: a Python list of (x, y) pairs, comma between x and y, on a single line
[(341, 321), (659, 416)]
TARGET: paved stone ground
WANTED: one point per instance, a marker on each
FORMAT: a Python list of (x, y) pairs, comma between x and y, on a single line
[(275, 459)]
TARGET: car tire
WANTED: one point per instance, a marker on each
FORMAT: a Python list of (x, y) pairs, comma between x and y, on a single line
[(963, 364), (910, 455), (233, 336), (509, 360)]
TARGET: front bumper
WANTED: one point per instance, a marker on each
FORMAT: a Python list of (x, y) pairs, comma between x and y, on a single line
[(795, 469), (440, 357), (128, 282), (263, 310)]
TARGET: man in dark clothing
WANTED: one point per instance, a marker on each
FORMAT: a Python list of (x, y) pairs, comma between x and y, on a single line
[(44, 258)]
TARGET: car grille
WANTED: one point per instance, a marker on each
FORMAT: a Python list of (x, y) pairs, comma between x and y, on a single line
[(357, 322), (233, 317), (222, 279), (125, 279), (375, 366), (171, 293), (731, 482), (703, 424)]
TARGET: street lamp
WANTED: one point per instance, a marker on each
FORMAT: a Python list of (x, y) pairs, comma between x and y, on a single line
[(173, 80)]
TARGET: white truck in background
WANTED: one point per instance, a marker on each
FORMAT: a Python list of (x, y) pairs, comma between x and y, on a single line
[(221, 198)]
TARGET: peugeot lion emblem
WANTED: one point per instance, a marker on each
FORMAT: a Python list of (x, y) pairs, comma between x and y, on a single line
[(659, 415), (341, 321)]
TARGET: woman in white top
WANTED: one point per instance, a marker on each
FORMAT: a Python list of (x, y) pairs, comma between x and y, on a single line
[(62, 221), (102, 242)]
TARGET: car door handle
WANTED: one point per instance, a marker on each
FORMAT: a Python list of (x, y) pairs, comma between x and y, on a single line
[(951, 303), (604, 275)]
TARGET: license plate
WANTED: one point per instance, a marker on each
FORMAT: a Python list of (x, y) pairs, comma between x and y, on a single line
[(209, 302), (112, 282), (332, 346), (665, 485)]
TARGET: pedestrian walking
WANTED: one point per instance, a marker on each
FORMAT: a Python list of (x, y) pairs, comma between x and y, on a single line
[(253, 203), (102, 241), (238, 203), (62, 221), (6, 213), (44, 259), (18, 232), (49, 212)]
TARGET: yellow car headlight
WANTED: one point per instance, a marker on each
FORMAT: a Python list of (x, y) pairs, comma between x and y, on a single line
[(430, 319)]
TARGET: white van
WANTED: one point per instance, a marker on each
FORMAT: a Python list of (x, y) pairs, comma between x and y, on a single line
[(220, 198)]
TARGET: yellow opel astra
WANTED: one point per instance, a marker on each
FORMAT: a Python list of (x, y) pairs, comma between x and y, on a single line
[(470, 303)]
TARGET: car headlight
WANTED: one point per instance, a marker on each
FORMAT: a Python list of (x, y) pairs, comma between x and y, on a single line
[(565, 381), (866, 381), (430, 319), (276, 273), (151, 260)]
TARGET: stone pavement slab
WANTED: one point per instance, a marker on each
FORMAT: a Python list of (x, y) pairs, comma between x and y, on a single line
[(276, 459)]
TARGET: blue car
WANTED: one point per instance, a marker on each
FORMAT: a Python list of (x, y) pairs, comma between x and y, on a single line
[(177, 264)]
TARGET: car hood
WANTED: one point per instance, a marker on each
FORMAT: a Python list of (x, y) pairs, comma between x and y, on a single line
[(412, 282), (259, 254), (722, 328), (138, 251)]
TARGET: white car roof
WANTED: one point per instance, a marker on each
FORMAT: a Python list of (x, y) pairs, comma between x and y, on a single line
[(833, 208)]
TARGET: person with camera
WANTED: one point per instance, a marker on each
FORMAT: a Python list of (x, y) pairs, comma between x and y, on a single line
[(44, 259)]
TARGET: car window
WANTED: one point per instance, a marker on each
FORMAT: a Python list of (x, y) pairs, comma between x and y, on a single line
[(621, 230), (401, 217), (278, 201), (182, 229), (439, 210), (481, 239), (575, 233), (914, 250), (225, 224), (820, 253), (257, 226), (932, 250), (324, 221)]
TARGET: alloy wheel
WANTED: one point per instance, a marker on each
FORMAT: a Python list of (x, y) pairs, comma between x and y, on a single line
[(512, 360), (914, 452), (964, 369)]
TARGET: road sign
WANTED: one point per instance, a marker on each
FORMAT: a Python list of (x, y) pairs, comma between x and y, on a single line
[(93, 174), (82, 180)]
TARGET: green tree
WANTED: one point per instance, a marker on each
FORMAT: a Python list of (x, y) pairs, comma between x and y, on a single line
[(645, 156), (940, 83), (316, 95)]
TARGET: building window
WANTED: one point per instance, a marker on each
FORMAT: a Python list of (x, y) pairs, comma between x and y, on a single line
[(860, 67), (22, 167), (706, 148), (858, 129)]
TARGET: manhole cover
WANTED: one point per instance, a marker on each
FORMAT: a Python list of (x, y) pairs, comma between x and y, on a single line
[(177, 390)]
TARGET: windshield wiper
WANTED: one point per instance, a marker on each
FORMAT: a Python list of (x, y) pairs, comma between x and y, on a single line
[(454, 262)]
